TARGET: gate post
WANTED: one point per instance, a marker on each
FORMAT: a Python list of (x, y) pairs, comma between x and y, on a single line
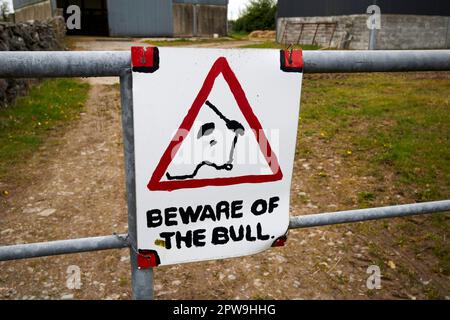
[(141, 279)]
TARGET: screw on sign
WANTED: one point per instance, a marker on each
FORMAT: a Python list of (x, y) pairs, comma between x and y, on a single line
[(215, 133)]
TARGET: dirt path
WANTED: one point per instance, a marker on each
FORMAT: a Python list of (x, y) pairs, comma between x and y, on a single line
[(74, 187)]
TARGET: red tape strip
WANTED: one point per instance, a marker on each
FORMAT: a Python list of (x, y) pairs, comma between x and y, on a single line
[(144, 59), (291, 60), (147, 259)]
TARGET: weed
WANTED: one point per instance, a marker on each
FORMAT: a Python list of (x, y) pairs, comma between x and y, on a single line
[(24, 125)]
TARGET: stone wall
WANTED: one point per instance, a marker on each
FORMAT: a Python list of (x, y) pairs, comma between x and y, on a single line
[(29, 36), (351, 32)]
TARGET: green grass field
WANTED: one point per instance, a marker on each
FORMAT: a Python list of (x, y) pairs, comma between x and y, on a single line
[(24, 125), (400, 122), (267, 44), (185, 41), (396, 128), (275, 45)]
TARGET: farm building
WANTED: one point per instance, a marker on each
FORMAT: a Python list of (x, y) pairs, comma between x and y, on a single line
[(140, 18), (405, 24)]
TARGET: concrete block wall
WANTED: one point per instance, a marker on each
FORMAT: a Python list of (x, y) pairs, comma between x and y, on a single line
[(413, 32), (351, 32), (39, 11)]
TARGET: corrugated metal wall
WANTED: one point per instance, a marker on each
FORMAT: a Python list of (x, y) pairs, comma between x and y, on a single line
[(316, 8), (140, 18)]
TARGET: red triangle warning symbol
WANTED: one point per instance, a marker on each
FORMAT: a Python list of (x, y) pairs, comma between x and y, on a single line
[(220, 66)]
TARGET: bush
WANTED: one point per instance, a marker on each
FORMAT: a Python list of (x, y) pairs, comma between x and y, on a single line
[(259, 15)]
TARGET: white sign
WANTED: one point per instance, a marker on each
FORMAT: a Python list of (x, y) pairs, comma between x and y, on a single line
[(215, 136)]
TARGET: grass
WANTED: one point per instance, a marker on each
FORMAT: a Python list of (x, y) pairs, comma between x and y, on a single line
[(268, 44), (395, 128), (24, 125), (439, 244), (365, 198), (397, 122), (241, 35), (274, 45), (185, 41)]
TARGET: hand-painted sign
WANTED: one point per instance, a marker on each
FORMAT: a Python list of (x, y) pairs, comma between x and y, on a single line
[(215, 135)]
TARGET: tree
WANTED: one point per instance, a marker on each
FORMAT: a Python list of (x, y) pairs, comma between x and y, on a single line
[(4, 10), (258, 15)]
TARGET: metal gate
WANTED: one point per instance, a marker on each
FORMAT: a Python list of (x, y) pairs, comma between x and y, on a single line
[(115, 63)]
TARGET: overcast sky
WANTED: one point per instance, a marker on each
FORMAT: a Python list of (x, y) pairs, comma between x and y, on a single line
[(10, 4), (234, 7)]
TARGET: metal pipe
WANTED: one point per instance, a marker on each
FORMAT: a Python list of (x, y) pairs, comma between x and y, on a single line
[(33, 250), (141, 279), (46, 64), (39, 64), (322, 219), (376, 61), (41, 249)]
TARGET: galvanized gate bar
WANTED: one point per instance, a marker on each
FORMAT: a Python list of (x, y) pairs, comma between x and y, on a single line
[(48, 64), (52, 248), (322, 219), (40, 64), (141, 280), (33, 250), (376, 61)]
